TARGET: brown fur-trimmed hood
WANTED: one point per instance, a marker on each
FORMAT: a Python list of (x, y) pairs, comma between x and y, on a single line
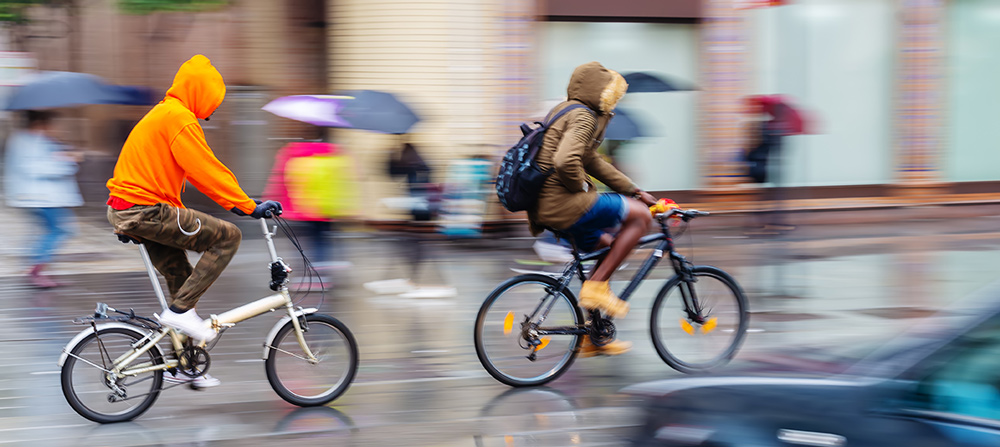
[(596, 86)]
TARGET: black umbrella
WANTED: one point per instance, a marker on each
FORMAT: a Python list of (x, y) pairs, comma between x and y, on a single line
[(642, 82), (623, 127), (65, 88), (377, 111)]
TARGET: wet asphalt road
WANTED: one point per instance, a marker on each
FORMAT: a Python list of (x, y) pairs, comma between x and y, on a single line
[(420, 384)]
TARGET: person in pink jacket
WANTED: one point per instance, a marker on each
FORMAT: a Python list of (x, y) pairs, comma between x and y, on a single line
[(279, 188)]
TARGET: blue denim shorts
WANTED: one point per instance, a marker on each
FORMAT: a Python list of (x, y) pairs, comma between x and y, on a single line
[(605, 216)]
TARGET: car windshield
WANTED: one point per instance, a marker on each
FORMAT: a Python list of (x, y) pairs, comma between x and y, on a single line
[(977, 312)]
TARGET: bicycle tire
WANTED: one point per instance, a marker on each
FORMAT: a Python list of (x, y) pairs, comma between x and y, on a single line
[(701, 273), (341, 357), (115, 348), (562, 363)]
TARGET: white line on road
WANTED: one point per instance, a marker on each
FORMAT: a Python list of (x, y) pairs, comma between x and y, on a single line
[(471, 375)]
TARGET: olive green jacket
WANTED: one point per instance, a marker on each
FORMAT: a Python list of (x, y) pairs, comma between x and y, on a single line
[(570, 150)]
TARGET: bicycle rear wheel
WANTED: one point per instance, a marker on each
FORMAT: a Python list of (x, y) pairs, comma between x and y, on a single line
[(100, 396), (502, 344), (707, 337), (306, 384)]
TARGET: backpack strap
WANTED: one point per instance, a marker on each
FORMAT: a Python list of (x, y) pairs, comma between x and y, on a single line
[(562, 112), (548, 122)]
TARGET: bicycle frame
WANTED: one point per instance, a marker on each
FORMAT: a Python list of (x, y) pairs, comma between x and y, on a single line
[(682, 268), (219, 322)]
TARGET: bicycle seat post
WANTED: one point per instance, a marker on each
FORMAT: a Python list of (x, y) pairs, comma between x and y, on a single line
[(152, 275)]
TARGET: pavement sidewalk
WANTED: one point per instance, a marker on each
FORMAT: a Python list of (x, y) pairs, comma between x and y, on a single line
[(835, 224)]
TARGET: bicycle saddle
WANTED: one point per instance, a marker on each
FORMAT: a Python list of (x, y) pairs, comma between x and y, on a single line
[(125, 239)]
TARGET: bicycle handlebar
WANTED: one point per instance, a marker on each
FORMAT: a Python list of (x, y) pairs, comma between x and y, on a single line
[(685, 215)]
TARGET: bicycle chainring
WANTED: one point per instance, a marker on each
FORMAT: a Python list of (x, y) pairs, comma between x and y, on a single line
[(194, 361), (602, 331)]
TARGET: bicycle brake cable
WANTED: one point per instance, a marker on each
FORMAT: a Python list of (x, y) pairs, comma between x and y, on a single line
[(310, 270)]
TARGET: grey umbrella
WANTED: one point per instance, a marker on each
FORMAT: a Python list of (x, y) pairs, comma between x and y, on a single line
[(377, 111), (641, 82), (64, 88), (623, 127)]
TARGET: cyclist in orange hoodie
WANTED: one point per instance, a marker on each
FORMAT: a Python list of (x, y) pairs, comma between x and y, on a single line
[(166, 149)]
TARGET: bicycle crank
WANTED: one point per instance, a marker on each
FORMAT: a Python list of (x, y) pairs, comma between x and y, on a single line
[(602, 331), (194, 361)]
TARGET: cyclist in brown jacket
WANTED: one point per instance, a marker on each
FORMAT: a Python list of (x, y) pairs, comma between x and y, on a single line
[(568, 201)]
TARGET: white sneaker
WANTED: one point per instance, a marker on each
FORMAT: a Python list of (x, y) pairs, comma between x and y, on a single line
[(203, 381), (188, 322)]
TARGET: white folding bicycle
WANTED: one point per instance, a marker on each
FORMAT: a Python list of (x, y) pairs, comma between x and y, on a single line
[(113, 370)]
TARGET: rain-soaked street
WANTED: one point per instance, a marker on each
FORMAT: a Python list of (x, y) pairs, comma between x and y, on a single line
[(822, 287)]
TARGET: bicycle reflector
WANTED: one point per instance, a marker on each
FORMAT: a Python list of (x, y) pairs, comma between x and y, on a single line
[(687, 327), (710, 325), (508, 323)]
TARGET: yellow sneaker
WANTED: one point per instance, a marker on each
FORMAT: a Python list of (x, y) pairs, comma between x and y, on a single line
[(598, 295), (588, 349)]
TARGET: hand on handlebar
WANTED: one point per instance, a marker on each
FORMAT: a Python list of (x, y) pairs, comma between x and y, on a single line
[(663, 206), (267, 208), (646, 198)]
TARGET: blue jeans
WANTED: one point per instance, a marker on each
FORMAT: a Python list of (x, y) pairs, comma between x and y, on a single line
[(605, 216), (58, 224)]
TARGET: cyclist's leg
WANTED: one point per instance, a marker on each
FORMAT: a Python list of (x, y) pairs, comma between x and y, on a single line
[(610, 210), (181, 229), (217, 241), (634, 226)]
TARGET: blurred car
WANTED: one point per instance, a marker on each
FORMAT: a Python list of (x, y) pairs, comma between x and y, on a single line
[(939, 387)]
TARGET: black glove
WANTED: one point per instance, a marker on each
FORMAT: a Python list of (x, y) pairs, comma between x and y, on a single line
[(267, 208)]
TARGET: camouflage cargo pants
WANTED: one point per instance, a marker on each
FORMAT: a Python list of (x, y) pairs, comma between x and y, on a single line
[(166, 232)]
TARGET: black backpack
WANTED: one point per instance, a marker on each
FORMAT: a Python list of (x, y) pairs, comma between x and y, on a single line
[(520, 179)]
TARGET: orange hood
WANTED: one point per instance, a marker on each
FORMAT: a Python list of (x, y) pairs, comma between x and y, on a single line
[(199, 86)]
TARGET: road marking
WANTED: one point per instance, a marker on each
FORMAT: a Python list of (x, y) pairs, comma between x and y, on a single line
[(39, 373), (429, 351), (46, 427), (470, 375)]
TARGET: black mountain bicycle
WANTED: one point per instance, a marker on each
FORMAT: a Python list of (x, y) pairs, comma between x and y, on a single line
[(530, 328)]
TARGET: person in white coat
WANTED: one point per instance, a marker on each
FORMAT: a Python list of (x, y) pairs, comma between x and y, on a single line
[(39, 177)]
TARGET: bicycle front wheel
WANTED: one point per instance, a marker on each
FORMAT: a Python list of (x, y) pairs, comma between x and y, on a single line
[(704, 321), (301, 382), (504, 334), (101, 396)]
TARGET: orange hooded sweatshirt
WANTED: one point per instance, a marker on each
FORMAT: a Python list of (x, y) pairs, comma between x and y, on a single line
[(167, 147)]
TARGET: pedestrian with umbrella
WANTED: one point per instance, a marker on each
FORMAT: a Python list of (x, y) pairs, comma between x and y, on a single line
[(40, 177), (39, 170), (764, 159)]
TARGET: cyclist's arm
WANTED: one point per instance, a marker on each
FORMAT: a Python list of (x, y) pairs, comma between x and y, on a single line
[(206, 172), (608, 174), (569, 158)]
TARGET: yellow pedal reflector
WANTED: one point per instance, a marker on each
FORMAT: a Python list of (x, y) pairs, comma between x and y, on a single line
[(545, 342), (687, 327), (508, 323), (710, 325)]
